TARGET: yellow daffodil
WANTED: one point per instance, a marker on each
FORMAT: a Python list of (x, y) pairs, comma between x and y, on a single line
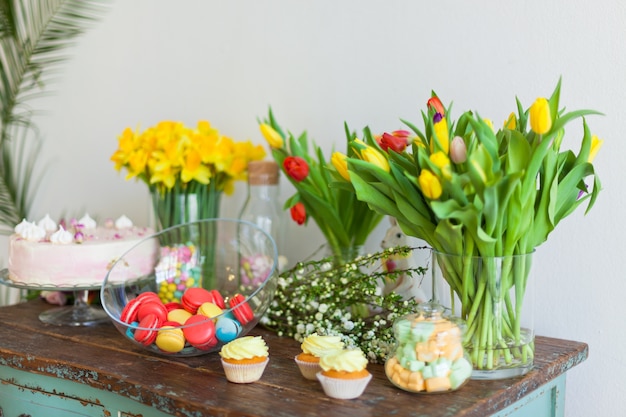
[(596, 144), (540, 118), (170, 152), (372, 156), (339, 161), (429, 184), (272, 137), (193, 168)]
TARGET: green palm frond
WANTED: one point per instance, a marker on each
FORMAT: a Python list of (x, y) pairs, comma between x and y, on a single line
[(34, 38)]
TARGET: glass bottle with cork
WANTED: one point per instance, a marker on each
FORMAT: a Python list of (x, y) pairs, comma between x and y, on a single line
[(262, 205)]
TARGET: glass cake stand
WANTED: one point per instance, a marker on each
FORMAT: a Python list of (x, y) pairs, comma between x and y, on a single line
[(78, 314)]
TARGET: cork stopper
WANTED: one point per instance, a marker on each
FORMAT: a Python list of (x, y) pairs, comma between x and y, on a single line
[(262, 173)]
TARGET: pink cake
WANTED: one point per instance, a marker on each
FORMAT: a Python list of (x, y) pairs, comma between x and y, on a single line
[(45, 254)]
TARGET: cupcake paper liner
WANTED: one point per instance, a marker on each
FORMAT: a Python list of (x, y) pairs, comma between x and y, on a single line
[(308, 369), (343, 389), (244, 374)]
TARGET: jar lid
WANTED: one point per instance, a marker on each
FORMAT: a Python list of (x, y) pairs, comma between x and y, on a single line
[(262, 173)]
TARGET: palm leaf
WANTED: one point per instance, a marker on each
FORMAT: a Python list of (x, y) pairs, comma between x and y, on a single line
[(34, 37)]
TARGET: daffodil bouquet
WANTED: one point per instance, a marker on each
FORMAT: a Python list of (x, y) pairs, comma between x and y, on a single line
[(343, 219), (476, 195), (186, 169)]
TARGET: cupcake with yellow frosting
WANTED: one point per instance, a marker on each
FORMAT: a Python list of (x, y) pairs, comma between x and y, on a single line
[(344, 374), (244, 359), (313, 348)]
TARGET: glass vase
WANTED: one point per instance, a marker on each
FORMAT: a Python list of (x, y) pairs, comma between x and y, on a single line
[(342, 255), (428, 356), (494, 296), (176, 206)]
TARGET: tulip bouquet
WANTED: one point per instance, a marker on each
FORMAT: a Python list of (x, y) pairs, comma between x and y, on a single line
[(479, 195), (344, 220)]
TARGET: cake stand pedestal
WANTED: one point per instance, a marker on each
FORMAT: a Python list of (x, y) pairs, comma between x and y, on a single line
[(78, 314)]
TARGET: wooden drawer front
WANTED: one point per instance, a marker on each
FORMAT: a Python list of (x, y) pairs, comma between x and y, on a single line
[(24, 394), (19, 401), (546, 401)]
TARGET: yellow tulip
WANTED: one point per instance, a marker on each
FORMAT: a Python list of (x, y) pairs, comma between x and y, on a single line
[(429, 184), (442, 162), (441, 131), (540, 118), (511, 122), (340, 163), (272, 137), (596, 144), (372, 156), (489, 123)]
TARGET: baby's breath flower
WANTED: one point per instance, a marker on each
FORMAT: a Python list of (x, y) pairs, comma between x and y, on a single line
[(334, 306)]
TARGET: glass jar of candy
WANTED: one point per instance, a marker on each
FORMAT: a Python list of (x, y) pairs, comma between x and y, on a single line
[(428, 356)]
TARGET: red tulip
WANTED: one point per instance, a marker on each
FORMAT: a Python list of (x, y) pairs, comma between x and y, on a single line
[(298, 213), (296, 167), (396, 141), (435, 103)]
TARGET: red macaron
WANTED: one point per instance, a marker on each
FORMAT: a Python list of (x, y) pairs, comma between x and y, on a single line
[(194, 297), (152, 307), (199, 331), (144, 334), (130, 310), (241, 309), (218, 300)]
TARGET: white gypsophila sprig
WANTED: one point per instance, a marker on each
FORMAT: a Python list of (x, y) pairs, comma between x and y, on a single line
[(316, 297)]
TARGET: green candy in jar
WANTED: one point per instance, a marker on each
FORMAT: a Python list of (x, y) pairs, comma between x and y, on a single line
[(429, 355)]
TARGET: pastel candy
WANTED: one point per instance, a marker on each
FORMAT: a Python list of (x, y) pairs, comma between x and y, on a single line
[(227, 329), (403, 330), (423, 331), (415, 366), (438, 384), (441, 367), (426, 351), (416, 382), (461, 371)]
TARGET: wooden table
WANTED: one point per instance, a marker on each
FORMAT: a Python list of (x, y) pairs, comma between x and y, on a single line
[(97, 371)]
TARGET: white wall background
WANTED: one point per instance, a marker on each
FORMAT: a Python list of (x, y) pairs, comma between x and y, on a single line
[(366, 62)]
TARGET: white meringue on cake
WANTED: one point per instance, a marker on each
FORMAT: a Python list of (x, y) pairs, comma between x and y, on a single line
[(87, 222), (123, 223), (61, 236), (47, 224)]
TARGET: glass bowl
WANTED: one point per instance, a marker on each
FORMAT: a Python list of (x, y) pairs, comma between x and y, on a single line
[(204, 284)]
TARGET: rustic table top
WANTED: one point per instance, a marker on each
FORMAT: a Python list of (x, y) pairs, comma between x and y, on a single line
[(101, 358)]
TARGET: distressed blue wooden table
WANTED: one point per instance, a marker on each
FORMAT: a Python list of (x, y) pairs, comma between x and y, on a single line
[(92, 371)]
